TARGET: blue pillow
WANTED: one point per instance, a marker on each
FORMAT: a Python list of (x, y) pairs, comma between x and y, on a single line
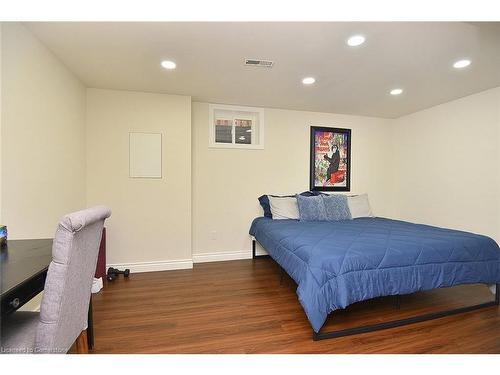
[(264, 201), (311, 208), (336, 207)]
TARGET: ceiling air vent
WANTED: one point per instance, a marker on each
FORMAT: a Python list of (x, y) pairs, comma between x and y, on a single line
[(261, 63)]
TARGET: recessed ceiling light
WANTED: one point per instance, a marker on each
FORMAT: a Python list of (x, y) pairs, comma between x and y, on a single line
[(461, 64), (308, 81), (167, 64), (396, 91), (355, 40)]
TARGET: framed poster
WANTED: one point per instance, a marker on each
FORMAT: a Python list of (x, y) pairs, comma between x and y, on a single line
[(330, 161)]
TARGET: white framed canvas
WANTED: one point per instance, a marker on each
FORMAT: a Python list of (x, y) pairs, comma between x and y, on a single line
[(145, 153)]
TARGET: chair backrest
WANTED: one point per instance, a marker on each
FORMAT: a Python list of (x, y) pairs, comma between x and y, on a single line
[(65, 302)]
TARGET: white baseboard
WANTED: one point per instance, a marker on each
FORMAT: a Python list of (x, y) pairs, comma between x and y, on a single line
[(169, 265), (492, 288), (222, 256), (187, 263), (259, 250)]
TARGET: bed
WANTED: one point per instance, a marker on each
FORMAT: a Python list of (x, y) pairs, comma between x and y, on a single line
[(337, 263)]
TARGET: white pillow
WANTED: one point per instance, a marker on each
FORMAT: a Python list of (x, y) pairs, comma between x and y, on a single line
[(284, 207), (359, 206)]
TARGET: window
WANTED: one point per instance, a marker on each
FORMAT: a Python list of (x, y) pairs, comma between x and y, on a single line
[(236, 127)]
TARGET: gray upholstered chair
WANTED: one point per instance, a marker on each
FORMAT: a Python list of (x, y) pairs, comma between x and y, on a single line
[(63, 313)]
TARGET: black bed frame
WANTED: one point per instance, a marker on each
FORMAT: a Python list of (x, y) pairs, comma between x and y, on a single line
[(395, 323)]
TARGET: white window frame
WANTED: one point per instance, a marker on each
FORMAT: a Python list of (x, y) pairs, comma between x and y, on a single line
[(252, 111)]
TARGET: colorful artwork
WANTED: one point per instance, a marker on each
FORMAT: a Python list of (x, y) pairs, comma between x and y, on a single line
[(330, 159), (3, 235)]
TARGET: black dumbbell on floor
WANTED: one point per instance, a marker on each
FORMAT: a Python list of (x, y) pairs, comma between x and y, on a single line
[(113, 273)]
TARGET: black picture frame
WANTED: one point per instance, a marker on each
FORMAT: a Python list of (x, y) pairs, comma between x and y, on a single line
[(319, 170)]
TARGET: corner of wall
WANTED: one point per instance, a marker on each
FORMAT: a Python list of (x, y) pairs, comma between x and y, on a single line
[(446, 164), (393, 185)]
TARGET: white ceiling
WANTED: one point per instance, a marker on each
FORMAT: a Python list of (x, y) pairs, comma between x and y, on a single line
[(417, 57)]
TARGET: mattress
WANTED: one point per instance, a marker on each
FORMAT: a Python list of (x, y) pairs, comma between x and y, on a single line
[(338, 263)]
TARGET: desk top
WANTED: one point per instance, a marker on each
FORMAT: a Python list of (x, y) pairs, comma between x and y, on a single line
[(23, 259)]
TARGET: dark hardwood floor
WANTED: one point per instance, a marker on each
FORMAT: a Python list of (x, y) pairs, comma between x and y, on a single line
[(240, 307)]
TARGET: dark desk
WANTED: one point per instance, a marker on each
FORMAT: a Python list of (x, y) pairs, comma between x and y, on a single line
[(24, 266)]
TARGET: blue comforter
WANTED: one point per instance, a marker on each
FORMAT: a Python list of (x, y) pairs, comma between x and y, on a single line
[(338, 263)]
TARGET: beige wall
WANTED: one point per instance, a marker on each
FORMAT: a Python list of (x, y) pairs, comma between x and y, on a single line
[(447, 164), (227, 182), (42, 137), (151, 220), (63, 147), (1, 175)]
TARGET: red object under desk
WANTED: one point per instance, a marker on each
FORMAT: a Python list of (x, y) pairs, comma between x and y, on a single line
[(100, 270)]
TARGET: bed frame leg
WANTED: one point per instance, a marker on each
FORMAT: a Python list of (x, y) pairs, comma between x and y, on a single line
[(397, 301), (254, 250), (315, 336), (282, 274)]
